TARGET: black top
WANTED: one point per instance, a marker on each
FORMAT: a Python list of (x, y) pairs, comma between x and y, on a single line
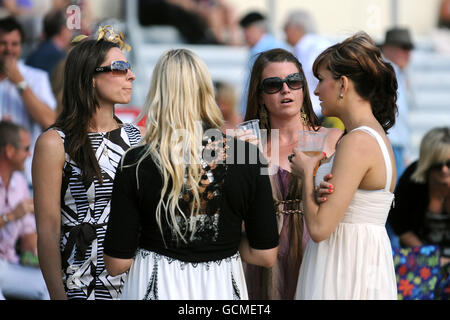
[(233, 189), (410, 213)]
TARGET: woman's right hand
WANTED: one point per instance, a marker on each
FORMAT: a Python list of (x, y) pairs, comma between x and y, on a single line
[(325, 188)]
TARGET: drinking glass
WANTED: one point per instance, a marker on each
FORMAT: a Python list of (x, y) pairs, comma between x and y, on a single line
[(311, 143), (253, 126)]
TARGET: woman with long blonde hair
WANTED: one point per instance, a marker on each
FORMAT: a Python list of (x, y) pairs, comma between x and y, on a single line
[(180, 199)]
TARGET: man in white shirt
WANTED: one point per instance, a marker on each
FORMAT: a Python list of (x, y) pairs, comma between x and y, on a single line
[(26, 97), (300, 30)]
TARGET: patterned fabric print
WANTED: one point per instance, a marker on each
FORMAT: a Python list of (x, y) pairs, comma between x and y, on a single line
[(85, 212), (212, 178), (443, 287), (418, 272), (152, 287)]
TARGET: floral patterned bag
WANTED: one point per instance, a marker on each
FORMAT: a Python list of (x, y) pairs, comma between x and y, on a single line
[(418, 272)]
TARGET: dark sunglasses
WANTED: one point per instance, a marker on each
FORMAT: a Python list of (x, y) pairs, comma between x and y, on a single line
[(295, 81), (439, 165), (117, 68)]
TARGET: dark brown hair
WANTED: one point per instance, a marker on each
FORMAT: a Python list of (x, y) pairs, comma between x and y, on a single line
[(359, 59), (254, 108), (80, 103), (10, 24)]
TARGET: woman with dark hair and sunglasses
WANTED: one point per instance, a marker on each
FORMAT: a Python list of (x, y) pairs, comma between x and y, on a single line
[(279, 98), (350, 255), (74, 167), (421, 214)]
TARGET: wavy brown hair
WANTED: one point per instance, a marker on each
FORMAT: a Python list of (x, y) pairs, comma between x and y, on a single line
[(359, 59), (80, 103)]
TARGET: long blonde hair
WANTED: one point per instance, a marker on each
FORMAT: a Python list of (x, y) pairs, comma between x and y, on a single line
[(179, 105)]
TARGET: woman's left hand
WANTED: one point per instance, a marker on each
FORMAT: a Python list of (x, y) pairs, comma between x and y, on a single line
[(302, 164)]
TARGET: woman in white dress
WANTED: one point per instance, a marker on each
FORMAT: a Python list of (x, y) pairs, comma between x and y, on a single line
[(180, 199), (350, 256)]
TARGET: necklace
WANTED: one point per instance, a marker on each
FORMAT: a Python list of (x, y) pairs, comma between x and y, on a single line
[(105, 148)]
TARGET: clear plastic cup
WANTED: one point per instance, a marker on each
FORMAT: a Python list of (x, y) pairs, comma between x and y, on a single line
[(253, 126), (311, 142)]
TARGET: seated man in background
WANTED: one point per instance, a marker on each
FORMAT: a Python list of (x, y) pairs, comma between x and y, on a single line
[(17, 224)]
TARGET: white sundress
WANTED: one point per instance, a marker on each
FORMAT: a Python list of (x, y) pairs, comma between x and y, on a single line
[(356, 261)]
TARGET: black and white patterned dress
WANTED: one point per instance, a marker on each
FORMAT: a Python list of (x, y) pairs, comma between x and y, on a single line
[(85, 211)]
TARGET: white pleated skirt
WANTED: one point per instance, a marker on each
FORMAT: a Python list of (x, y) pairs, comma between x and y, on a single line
[(354, 263), (153, 276)]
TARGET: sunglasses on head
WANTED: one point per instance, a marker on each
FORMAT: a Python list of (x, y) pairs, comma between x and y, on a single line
[(275, 84), (439, 165), (117, 68)]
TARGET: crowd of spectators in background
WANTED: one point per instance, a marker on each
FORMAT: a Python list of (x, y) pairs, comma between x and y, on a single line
[(34, 44)]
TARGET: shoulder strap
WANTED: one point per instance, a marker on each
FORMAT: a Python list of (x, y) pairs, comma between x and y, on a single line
[(384, 150)]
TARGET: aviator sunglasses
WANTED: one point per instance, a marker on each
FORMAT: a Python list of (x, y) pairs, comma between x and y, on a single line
[(275, 84), (117, 68)]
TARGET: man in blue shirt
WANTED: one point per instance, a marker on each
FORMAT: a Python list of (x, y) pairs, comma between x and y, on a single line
[(259, 40), (54, 48)]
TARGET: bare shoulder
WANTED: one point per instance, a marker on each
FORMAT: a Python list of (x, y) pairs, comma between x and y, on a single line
[(50, 139), (50, 145), (359, 144)]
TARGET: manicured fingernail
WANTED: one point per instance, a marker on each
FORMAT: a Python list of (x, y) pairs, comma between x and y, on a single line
[(324, 199)]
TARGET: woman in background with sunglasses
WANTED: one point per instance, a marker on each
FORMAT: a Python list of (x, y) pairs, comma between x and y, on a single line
[(279, 98), (74, 167), (421, 214)]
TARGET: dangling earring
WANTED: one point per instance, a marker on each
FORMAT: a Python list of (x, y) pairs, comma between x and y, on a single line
[(304, 117), (341, 96)]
